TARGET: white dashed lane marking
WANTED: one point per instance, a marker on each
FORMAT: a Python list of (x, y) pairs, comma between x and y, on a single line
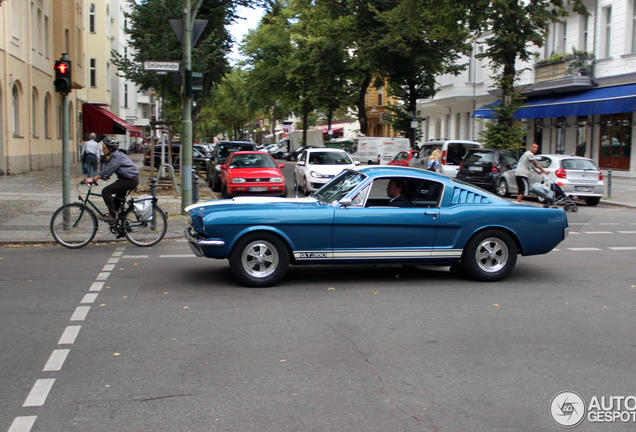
[(22, 424), (69, 335), (89, 298), (39, 392), (80, 313), (56, 360)]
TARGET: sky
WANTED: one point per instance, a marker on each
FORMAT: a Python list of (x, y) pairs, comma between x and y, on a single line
[(252, 17)]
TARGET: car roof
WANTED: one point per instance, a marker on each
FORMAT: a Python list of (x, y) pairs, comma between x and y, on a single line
[(235, 142), (250, 152), (562, 156), (445, 140)]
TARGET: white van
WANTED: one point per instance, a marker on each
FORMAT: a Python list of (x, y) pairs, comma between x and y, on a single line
[(453, 151), (378, 150)]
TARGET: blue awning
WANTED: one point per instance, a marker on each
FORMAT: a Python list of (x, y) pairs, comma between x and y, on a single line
[(606, 100)]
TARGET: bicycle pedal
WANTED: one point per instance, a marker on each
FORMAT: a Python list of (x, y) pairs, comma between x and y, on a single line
[(120, 235)]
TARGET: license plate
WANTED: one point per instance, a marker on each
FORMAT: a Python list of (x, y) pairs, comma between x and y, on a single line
[(258, 189), (583, 189), (475, 168)]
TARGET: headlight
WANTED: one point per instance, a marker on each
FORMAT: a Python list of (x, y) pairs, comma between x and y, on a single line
[(316, 174), (238, 180), (276, 180)]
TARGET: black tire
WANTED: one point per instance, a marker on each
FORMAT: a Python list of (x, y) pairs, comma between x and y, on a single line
[(490, 255), (146, 234), (292, 158), (224, 193), (73, 226), (259, 259), (305, 187), (502, 188), (216, 184), (592, 201), (541, 199), (279, 155)]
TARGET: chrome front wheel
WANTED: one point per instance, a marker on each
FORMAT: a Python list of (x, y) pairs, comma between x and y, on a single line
[(259, 259)]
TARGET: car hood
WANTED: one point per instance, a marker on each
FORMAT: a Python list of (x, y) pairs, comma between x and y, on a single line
[(250, 201)]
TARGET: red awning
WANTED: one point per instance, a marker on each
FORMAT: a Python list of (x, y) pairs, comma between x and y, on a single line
[(337, 132), (98, 120)]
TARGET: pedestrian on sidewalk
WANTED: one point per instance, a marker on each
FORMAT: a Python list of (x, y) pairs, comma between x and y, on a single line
[(91, 155), (127, 178), (81, 152), (526, 164)]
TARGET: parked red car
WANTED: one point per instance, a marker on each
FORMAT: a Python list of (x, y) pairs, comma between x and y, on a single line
[(252, 173), (403, 158)]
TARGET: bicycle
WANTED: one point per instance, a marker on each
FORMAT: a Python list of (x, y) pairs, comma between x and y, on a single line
[(75, 225)]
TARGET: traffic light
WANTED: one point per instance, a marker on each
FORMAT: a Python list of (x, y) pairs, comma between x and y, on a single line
[(193, 83), (62, 76)]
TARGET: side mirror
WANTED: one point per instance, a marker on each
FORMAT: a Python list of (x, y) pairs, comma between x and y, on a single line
[(223, 166), (281, 166), (301, 163), (345, 202), (356, 163)]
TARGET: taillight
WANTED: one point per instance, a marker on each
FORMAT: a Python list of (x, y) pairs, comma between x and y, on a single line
[(379, 159), (444, 157), (600, 176), (495, 168), (560, 173), (461, 164)]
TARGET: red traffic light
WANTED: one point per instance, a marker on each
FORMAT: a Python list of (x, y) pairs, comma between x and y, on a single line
[(61, 67)]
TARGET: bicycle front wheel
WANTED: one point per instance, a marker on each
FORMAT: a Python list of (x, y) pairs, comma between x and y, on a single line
[(145, 233), (73, 226)]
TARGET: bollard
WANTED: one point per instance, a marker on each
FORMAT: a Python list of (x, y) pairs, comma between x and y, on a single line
[(609, 183), (195, 186), (153, 187)]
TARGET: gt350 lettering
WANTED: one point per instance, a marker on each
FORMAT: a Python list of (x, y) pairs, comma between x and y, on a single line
[(313, 254)]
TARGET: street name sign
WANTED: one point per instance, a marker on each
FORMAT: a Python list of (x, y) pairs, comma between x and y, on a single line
[(166, 66)]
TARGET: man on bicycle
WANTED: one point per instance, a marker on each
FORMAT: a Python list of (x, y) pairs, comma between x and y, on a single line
[(127, 178)]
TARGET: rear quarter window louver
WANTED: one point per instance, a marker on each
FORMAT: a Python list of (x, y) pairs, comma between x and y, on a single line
[(463, 196)]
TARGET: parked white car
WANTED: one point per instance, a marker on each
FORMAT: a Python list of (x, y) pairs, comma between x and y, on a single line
[(317, 166), (577, 176), (453, 152)]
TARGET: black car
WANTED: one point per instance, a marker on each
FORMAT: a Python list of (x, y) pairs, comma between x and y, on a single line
[(198, 159), (220, 155), (484, 167)]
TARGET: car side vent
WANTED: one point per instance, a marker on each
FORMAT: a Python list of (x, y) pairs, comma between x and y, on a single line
[(463, 196)]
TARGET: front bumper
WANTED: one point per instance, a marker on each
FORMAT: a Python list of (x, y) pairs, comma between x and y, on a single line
[(196, 242)]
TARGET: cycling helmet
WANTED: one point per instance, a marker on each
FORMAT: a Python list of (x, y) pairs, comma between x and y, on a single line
[(111, 143)]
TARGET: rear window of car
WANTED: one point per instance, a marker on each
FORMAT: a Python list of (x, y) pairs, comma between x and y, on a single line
[(480, 156), (456, 152), (578, 164)]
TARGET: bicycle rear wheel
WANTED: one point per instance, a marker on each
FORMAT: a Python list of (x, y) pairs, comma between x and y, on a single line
[(73, 226), (145, 233)]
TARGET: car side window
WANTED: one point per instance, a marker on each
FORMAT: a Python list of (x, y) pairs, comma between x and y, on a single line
[(361, 198), (303, 156), (426, 193)]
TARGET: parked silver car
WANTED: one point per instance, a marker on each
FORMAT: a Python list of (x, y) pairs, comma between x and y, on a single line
[(577, 176)]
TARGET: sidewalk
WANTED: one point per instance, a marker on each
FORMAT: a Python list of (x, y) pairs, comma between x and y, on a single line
[(27, 202)]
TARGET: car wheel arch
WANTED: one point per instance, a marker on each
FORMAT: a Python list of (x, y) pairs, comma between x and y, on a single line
[(265, 229), (502, 229)]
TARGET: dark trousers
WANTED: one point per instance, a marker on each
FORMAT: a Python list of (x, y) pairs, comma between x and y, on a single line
[(120, 188), (91, 164)]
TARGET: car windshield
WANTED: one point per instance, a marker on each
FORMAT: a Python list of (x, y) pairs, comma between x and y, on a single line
[(340, 186), (252, 161), (578, 164), (225, 149), (329, 158)]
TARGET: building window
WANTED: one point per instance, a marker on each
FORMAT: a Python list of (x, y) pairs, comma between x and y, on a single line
[(91, 18), (607, 32), (582, 136), (108, 21), (561, 128), (586, 30), (93, 73), (34, 113), (634, 26), (380, 97), (15, 109), (47, 115), (564, 37), (108, 76)]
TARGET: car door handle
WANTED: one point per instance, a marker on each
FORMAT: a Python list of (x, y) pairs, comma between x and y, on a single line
[(434, 213)]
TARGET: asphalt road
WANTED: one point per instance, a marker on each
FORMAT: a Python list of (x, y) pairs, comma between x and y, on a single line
[(118, 338)]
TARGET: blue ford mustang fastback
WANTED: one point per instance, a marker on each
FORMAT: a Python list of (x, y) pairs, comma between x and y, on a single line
[(350, 220)]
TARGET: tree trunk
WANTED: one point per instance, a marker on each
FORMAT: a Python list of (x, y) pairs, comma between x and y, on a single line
[(360, 104)]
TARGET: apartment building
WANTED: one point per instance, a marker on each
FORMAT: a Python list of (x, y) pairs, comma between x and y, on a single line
[(33, 35), (581, 90)]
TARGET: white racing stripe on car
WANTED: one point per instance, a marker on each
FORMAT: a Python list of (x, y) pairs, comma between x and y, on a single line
[(597, 232), (384, 253)]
